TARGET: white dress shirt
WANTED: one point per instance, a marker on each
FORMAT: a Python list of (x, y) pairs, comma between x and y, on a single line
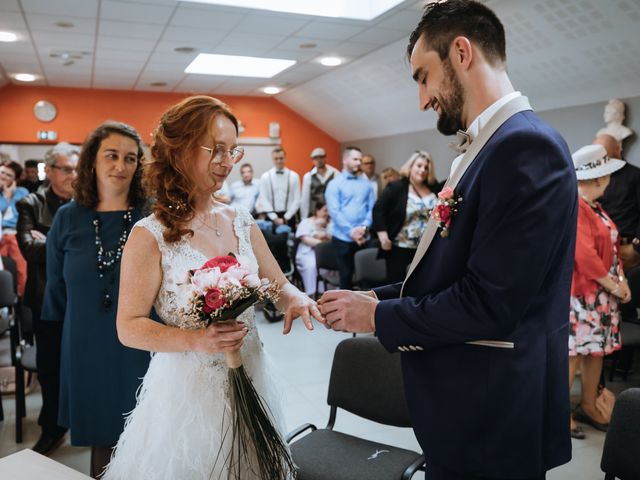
[(279, 192), (481, 120)]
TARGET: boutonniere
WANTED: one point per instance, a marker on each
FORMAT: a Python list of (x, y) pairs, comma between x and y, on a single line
[(445, 209)]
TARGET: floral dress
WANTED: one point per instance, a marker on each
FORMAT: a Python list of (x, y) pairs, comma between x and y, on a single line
[(595, 318), (418, 210)]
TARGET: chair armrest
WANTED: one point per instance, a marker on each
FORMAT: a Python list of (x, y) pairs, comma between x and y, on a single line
[(293, 434)]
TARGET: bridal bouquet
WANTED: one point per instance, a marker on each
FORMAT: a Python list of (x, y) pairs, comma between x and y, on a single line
[(221, 290)]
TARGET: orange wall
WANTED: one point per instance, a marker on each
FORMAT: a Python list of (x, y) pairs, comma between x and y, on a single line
[(81, 110)]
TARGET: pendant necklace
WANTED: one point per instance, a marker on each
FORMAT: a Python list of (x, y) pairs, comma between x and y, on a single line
[(215, 227)]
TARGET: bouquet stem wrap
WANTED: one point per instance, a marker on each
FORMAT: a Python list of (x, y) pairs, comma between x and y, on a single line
[(252, 430)]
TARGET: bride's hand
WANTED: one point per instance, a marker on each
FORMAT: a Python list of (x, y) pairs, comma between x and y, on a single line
[(220, 337), (300, 305)]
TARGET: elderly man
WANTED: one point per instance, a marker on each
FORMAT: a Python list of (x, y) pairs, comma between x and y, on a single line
[(35, 215), (314, 182)]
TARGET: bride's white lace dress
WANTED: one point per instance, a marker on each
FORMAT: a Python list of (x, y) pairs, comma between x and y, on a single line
[(181, 420)]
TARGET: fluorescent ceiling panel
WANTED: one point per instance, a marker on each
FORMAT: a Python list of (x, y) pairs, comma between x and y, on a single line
[(359, 10), (237, 66)]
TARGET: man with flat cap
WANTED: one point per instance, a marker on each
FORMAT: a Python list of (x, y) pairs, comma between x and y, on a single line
[(314, 182)]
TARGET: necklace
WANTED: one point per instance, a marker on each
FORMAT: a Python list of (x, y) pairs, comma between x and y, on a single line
[(215, 219), (107, 259)]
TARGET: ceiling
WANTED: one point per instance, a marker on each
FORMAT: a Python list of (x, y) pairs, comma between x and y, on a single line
[(560, 53)]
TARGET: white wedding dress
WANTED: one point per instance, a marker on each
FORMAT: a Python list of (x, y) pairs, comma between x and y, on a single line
[(179, 428)]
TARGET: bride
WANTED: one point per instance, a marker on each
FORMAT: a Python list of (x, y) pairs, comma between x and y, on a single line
[(178, 429)]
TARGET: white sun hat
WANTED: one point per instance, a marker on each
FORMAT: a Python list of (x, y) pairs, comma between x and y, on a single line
[(592, 161)]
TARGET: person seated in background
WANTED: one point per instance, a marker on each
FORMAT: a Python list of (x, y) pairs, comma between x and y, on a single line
[(311, 231), (279, 195), (387, 176), (224, 194), (401, 213), (30, 179), (598, 285), (10, 171), (35, 216), (314, 182), (245, 192)]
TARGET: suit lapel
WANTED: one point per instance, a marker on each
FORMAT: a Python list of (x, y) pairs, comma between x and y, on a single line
[(518, 104)]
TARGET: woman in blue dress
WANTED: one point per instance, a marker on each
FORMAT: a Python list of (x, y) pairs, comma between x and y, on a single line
[(99, 376)]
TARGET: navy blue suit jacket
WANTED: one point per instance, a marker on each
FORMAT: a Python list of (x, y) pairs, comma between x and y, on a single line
[(503, 273)]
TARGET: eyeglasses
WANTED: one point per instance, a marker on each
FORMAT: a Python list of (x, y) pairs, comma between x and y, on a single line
[(220, 152), (65, 170)]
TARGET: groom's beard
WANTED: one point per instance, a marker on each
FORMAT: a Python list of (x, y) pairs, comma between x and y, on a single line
[(451, 102)]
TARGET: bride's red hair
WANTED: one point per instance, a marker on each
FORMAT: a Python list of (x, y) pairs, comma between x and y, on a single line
[(168, 175)]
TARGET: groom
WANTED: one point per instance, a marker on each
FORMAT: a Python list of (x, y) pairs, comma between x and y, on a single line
[(482, 317)]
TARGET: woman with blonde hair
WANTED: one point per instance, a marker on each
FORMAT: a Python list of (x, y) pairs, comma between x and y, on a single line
[(180, 427), (402, 211)]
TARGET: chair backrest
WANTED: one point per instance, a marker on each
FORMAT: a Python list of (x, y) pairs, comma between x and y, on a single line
[(369, 270), (326, 256), (622, 444), (8, 297), (366, 380)]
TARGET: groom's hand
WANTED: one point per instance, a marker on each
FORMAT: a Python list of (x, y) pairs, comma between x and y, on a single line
[(348, 311)]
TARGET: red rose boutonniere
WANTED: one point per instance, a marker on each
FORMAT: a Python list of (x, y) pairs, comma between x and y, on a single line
[(445, 209)]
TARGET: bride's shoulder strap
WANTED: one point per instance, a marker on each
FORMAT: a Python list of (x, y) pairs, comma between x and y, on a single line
[(153, 225), (242, 223)]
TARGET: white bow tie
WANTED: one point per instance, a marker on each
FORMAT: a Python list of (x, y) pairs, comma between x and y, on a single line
[(463, 140)]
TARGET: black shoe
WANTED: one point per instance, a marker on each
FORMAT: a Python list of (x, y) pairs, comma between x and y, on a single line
[(578, 433), (46, 444), (581, 416)]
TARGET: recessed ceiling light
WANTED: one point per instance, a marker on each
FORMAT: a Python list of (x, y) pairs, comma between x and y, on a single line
[(360, 10), (63, 24), (158, 84), (330, 61), (184, 49), (308, 45), (8, 37), (271, 90), (24, 77), (237, 66)]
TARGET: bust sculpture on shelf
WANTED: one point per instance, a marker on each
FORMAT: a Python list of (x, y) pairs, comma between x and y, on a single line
[(613, 117)]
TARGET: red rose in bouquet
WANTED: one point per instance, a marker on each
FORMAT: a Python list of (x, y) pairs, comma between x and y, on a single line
[(223, 262)]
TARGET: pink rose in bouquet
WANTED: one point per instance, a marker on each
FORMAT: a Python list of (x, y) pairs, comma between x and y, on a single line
[(223, 288)]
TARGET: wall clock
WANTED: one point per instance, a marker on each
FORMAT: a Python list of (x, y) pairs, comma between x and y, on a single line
[(45, 111)]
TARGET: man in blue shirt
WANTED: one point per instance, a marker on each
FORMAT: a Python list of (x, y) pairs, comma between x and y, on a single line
[(350, 200)]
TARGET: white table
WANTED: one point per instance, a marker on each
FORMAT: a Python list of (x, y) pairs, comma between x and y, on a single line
[(29, 465)]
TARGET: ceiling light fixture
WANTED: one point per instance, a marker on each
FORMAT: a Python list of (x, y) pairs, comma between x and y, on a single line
[(360, 10), (271, 90), (24, 77), (237, 66), (8, 37), (331, 61)]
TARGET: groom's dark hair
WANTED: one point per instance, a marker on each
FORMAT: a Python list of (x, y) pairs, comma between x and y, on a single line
[(444, 20)]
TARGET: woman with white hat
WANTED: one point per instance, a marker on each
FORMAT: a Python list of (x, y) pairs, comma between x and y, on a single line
[(598, 284)]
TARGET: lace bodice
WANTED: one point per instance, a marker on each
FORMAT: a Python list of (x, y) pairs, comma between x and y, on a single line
[(172, 301)]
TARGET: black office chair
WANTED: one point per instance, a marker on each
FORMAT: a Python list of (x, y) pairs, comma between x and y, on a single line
[(25, 360), (326, 259), (622, 444), (370, 272), (365, 380), (8, 300)]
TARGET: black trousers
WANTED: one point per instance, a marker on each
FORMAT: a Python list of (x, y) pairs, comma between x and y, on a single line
[(48, 339), (398, 260), (345, 252), (100, 458), (434, 472)]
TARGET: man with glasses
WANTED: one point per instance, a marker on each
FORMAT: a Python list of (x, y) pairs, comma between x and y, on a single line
[(35, 215), (279, 195)]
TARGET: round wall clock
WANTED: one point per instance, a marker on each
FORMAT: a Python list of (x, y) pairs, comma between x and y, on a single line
[(45, 111)]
